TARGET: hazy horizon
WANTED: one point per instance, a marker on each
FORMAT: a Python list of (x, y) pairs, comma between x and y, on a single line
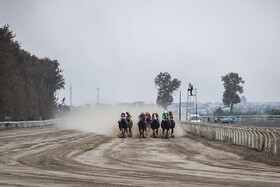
[(120, 46)]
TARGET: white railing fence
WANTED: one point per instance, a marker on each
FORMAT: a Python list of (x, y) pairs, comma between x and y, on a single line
[(261, 139), (22, 124)]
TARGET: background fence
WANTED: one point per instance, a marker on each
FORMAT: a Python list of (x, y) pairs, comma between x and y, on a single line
[(22, 124), (261, 139), (242, 118)]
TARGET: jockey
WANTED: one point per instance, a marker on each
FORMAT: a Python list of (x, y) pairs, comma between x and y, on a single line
[(155, 116), (129, 122), (148, 115), (120, 121), (165, 115), (142, 116), (128, 115), (123, 114), (171, 115)]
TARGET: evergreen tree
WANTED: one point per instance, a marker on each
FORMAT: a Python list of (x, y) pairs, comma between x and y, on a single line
[(219, 112), (232, 87), (166, 87), (27, 83)]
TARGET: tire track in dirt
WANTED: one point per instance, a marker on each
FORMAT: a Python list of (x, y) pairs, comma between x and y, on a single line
[(50, 156)]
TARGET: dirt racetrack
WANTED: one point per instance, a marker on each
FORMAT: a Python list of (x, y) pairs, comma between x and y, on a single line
[(50, 156)]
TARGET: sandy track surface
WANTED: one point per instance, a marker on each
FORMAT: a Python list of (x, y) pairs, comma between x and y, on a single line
[(50, 156)]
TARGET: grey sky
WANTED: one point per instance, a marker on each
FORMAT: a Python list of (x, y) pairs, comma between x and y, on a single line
[(121, 45)]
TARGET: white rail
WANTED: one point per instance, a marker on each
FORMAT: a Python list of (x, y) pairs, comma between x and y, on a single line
[(22, 124), (261, 139)]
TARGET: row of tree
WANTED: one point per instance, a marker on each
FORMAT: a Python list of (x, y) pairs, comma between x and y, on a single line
[(220, 112), (269, 111), (27, 83)]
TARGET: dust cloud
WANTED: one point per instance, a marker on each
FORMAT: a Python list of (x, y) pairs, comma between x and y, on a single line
[(179, 131), (104, 119)]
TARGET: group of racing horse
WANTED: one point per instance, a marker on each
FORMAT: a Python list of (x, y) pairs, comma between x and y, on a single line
[(147, 122)]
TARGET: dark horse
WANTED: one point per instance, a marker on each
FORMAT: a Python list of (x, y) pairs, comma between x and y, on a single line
[(165, 125), (142, 127), (148, 125), (155, 126), (172, 125), (129, 126), (122, 125)]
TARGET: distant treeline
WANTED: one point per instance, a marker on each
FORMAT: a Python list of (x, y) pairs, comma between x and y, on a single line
[(268, 111), (27, 83)]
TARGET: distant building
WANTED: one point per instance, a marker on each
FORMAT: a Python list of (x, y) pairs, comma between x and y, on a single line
[(123, 104), (138, 103), (243, 100), (99, 105)]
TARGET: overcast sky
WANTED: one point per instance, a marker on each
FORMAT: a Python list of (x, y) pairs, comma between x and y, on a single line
[(121, 45)]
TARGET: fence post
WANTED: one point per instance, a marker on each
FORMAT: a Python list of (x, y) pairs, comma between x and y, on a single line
[(235, 136), (245, 137), (252, 139), (255, 139), (260, 141), (274, 142)]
